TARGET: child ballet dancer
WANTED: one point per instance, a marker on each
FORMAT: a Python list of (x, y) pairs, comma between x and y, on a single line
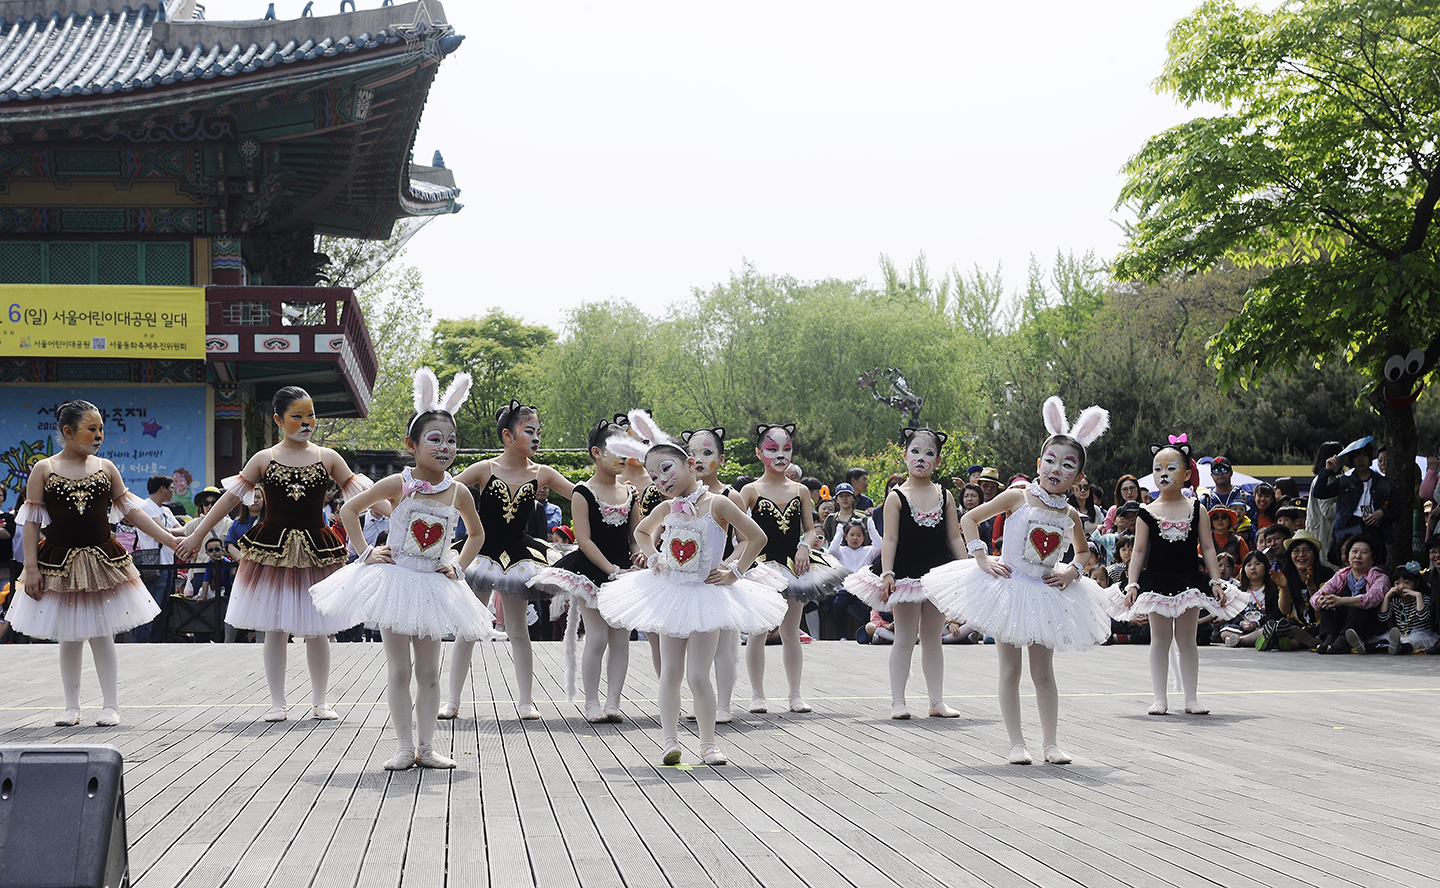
[(605, 518), (509, 557), (782, 509), (289, 550), (80, 584), (708, 447), (410, 588), (1022, 597), (689, 593), (1163, 580), (650, 497), (922, 533)]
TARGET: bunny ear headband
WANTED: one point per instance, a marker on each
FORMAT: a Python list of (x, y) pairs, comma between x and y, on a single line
[(1089, 425), (651, 436), (428, 398)]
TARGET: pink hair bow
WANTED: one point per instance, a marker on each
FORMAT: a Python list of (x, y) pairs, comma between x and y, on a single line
[(1180, 439)]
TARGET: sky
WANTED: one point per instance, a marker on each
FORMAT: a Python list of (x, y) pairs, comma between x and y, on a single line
[(637, 150)]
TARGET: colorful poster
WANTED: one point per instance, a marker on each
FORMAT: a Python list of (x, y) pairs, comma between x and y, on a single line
[(53, 321), (149, 430)]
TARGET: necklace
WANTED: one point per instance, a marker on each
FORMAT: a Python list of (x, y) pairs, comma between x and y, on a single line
[(1055, 501)]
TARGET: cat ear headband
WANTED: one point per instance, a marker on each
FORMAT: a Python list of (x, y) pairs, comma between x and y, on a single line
[(1179, 442), (1089, 425), (940, 437), (718, 432), (651, 435), (428, 398), (764, 428)]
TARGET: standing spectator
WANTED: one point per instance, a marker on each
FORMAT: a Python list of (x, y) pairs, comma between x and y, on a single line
[(1364, 499), (875, 524), (205, 500), (1349, 602), (989, 482), (214, 581), (1127, 490), (859, 481), (971, 496), (149, 552), (1267, 507), (1428, 492), (1320, 510), (1085, 497), (845, 510), (544, 520), (7, 542), (1226, 494)]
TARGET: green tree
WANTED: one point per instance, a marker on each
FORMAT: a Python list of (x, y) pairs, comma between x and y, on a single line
[(503, 356), (598, 367), (392, 298), (1323, 166)]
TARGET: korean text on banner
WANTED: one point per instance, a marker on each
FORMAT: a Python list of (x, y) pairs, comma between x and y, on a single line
[(51, 321)]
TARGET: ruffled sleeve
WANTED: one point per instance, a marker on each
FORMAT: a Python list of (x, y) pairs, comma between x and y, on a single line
[(123, 505), (356, 484), (240, 487), (33, 511)]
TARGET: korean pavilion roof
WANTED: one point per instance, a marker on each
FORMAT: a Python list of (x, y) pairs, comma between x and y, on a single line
[(316, 114)]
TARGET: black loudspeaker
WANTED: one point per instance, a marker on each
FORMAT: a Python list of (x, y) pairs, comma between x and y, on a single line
[(62, 817)]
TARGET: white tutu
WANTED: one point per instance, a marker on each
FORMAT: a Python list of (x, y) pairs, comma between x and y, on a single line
[(404, 601), (864, 584), (76, 616), (277, 599), (656, 603), (484, 576), (1021, 610), (1174, 605)]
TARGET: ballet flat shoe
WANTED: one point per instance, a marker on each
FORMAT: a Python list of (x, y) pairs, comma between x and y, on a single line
[(448, 710), (426, 757), (671, 755), (1019, 755), (1056, 756), (323, 713), (68, 719), (898, 712), (943, 711), (759, 704), (711, 755), (403, 760), (529, 712), (109, 717), (798, 704), (277, 714)]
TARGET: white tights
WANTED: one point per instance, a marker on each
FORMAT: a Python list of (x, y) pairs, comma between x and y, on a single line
[(1181, 630), (727, 665), (102, 650), (926, 619), (689, 658), (600, 638), (317, 657), (397, 686), (1047, 695), (790, 636), (518, 630)]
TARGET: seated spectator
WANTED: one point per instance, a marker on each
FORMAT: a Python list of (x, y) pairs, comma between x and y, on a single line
[(849, 547), (1409, 611), (1270, 542), (956, 632), (970, 497), (1086, 499), (1259, 587), (1222, 520), (1349, 603), (1302, 573), (1291, 517), (880, 629), (824, 512), (1124, 548), (1127, 490), (1266, 507), (1125, 517), (563, 538)]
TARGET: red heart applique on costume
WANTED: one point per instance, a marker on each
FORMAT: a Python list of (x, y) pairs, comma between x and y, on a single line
[(1044, 541), (425, 533), (683, 551)]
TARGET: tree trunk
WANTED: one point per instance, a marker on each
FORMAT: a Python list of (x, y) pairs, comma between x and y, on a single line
[(1402, 443)]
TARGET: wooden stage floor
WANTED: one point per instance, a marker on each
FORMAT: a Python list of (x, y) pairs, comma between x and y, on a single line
[(1311, 771)]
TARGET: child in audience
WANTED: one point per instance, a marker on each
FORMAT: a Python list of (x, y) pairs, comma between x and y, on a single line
[(1409, 611)]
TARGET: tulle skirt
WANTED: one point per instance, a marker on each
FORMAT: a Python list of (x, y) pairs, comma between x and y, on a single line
[(1174, 605), (404, 601), (819, 582), (277, 599), (653, 602), (558, 582), (865, 585), (1021, 610), (485, 575), (76, 616)]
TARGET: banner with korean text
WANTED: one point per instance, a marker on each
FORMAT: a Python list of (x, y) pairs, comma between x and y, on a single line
[(53, 321), (149, 430)]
